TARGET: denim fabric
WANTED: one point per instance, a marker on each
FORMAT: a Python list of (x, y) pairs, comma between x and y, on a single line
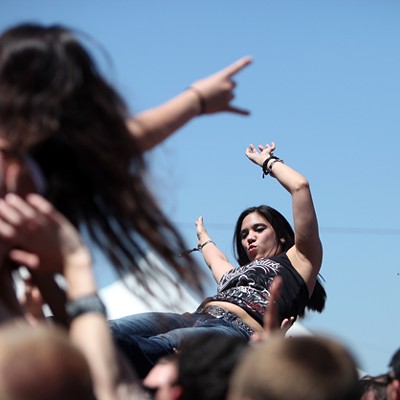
[(146, 337)]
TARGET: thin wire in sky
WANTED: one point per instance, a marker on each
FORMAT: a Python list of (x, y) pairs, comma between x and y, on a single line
[(336, 230)]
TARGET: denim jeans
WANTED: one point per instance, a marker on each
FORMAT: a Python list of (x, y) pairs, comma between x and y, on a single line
[(144, 338)]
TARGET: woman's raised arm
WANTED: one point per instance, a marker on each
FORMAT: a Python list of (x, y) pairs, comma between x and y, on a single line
[(306, 254), (206, 96)]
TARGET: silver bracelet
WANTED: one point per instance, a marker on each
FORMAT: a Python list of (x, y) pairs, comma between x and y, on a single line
[(204, 244)]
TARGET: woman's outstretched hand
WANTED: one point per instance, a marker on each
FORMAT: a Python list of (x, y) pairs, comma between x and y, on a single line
[(217, 89), (201, 232), (209, 95), (259, 156), (41, 237)]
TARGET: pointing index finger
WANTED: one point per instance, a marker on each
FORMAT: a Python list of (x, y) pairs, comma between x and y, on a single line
[(237, 66)]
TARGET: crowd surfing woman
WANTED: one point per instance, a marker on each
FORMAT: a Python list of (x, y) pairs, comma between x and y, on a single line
[(265, 246), (66, 133)]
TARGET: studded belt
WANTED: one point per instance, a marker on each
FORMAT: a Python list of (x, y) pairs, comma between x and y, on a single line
[(220, 313)]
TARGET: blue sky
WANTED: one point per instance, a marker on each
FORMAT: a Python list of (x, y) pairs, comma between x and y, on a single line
[(324, 85)]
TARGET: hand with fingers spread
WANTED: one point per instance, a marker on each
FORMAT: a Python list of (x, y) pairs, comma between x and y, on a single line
[(40, 236), (216, 90), (46, 241), (259, 156)]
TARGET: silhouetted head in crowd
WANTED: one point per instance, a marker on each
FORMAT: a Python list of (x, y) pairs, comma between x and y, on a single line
[(373, 387), (40, 363), (161, 383), (205, 365), (296, 368), (393, 388)]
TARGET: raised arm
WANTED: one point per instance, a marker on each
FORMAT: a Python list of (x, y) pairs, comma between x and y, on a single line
[(306, 254), (206, 96), (213, 256), (47, 240)]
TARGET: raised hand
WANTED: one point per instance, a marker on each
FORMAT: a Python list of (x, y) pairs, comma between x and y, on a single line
[(259, 156), (40, 236), (216, 91), (201, 232), (271, 322)]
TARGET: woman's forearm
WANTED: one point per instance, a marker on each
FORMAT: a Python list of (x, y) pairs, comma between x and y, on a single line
[(153, 126), (290, 179)]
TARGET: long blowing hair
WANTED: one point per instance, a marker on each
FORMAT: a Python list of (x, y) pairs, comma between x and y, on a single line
[(283, 230), (55, 105)]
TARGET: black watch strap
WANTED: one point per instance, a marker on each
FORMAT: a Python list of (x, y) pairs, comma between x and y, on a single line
[(86, 304)]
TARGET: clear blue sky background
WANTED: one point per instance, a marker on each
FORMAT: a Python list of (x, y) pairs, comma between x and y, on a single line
[(325, 86)]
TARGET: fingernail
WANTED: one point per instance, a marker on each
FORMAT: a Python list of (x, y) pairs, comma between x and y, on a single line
[(10, 196)]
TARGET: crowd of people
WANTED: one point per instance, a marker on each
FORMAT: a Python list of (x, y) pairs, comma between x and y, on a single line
[(72, 160)]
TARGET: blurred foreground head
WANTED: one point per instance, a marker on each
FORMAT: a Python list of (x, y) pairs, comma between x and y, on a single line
[(393, 387), (296, 368), (40, 363), (59, 114)]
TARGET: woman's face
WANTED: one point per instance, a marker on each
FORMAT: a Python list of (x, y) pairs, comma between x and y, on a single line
[(258, 237)]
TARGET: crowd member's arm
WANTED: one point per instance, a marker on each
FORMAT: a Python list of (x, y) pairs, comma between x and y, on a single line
[(271, 324), (47, 240), (207, 96), (213, 256), (306, 254), (89, 330)]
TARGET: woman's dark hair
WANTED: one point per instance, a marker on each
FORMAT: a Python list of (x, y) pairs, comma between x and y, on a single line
[(285, 240), (55, 105)]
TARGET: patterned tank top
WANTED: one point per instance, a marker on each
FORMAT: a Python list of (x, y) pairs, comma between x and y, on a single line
[(247, 287)]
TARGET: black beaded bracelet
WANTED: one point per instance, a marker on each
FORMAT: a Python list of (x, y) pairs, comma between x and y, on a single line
[(266, 170), (272, 164), (86, 304)]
